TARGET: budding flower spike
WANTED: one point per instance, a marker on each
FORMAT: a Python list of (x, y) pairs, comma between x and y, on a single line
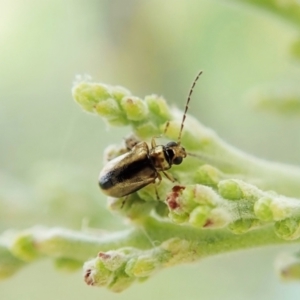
[(243, 200), (142, 165), (188, 198)]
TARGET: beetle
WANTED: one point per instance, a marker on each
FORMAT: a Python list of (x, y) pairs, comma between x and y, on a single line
[(142, 165)]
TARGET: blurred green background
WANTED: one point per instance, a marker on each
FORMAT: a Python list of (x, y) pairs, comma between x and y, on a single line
[(149, 47)]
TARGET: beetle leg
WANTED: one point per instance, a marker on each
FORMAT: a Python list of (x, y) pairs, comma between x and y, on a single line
[(131, 141), (159, 178), (123, 202), (169, 176), (153, 144), (156, 192), (113, 152)]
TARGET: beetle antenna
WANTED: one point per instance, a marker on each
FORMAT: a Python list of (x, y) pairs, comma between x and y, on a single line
[(187, 105)]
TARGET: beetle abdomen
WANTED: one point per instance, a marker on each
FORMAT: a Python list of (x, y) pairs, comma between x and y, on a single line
[(128, 172)]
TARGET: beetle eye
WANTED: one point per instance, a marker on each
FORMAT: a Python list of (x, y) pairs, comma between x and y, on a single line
[(177, 160)]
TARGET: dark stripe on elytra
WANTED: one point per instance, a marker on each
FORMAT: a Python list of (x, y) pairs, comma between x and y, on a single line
[(124, 172)]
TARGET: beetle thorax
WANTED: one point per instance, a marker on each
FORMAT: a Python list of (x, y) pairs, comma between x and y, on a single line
[(158, 158), (163, 157)]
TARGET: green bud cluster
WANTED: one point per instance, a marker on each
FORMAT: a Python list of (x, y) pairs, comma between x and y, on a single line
[(23, 247), (197, 205), (118, 107), (208, 175), (101, 99), (233, 203), (274, 207), (288, 229), (117, 269), (217, 187)]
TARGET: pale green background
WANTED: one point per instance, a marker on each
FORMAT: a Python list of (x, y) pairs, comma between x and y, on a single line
[(149, 47)]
